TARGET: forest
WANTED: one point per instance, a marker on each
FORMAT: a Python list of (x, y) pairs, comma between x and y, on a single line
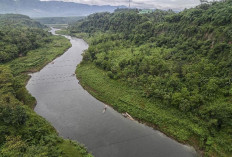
[(177, 62), (27, 47), (16, 39)]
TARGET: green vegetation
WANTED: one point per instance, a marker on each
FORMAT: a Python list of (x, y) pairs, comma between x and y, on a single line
[(62, 32), (59, 20), (171, 70), (16, 39), (58, 26), (18, 20), (23, 132), (71, 149)]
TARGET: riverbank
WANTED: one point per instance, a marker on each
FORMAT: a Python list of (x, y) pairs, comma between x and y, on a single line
[(36, 132), (184, 128), (126, 99), (33, 62), (86, 37), (81, 117)]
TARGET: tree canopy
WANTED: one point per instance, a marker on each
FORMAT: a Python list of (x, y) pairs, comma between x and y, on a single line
[(18, 35)]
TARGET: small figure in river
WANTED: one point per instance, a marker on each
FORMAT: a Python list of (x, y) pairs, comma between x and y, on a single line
[(104, 110)]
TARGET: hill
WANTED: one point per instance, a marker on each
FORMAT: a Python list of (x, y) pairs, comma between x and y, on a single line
[(19, 34), (18, 20), (172, 70), (37, 8)]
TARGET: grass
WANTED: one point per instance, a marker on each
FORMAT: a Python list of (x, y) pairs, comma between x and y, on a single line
[(71, 149), (124, 98), (37, 59), (62, 32), (183, 127), (34, 61), (68, 150)]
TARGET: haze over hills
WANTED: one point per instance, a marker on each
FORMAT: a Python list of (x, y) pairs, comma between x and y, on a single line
[(37, 8)]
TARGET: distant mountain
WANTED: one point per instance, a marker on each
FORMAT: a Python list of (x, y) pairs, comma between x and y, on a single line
[(37, 8)]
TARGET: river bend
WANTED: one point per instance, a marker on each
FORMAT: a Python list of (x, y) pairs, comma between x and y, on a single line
[(78, 116)]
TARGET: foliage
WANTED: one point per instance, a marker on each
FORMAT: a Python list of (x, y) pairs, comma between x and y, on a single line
[(18, 35), (18, 20), (181, 60)]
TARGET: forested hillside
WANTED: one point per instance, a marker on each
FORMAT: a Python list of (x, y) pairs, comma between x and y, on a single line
[(18, 35), (177, 62), (26, 47)]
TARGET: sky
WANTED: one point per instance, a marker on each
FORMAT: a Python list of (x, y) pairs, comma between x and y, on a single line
[(159, 4)]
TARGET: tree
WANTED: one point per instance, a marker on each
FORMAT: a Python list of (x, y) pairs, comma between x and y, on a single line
[(204, 1)]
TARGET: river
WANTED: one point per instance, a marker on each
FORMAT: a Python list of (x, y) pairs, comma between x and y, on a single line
[(78, 116)]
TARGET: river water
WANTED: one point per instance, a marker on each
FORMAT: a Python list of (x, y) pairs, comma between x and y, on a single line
[(78, 116)]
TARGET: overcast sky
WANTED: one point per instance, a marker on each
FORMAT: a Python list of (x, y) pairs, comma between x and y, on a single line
[(160, 4)]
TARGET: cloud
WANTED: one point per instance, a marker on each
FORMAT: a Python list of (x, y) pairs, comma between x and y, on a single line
[(160, 4)]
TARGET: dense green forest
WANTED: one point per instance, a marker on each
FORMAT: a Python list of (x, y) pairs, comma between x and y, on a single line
[(16, 39), (26, 47), (177, 66)]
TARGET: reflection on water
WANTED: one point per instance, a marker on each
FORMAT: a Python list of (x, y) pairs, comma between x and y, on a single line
[(77, 115)]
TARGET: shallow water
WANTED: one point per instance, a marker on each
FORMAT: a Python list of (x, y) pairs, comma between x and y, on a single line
[(78, 116)]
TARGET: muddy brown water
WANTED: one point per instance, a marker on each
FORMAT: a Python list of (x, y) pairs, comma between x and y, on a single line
[(78, 116)]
